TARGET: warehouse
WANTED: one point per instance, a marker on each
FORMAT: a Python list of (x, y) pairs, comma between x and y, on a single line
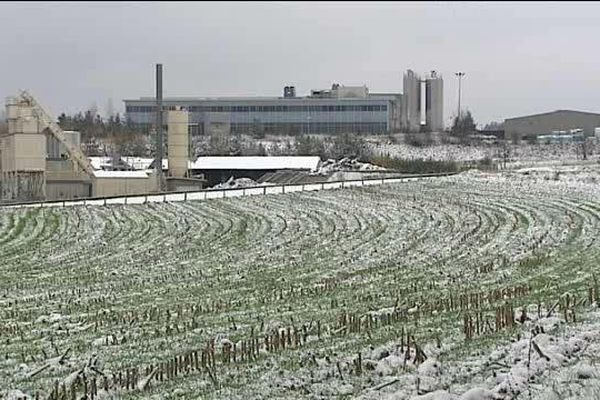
[(532, 126)]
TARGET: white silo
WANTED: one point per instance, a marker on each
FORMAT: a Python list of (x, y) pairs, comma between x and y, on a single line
[(434, 102), (177, 142)]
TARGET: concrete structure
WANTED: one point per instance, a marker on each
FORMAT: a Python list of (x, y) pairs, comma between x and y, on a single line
[(22, 154), (40, 161), (547, 123), (178, 143), (117, 183), (411, 111), (434, 103)]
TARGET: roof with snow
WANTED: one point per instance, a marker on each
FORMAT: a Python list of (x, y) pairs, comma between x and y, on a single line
[(256, 163), (121, 174), (98, 162), (138, 163)]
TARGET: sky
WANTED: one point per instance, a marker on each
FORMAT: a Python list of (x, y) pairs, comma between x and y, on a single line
[(519, 58)]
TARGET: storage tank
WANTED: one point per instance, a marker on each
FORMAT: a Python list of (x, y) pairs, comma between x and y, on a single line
[(177, 142)]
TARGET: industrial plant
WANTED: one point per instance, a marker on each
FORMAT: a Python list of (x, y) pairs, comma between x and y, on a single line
[(40, 161), (341, 109)]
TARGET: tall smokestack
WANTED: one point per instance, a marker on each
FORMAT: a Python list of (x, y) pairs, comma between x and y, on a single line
[(159, 126)]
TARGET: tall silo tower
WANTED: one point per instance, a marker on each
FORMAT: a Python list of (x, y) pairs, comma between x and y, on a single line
[(177, 142), (411, 102), (434, 102)]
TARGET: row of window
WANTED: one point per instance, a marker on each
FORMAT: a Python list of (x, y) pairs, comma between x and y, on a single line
[(298, 128), (312, 128), (338, 108)]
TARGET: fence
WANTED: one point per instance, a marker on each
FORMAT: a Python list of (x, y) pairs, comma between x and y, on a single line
[(207, 194)]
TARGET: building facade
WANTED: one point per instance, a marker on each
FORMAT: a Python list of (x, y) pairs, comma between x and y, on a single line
[(339, 110)]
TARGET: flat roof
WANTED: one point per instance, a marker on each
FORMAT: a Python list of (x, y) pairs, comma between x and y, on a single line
[(120, 174), (256, 162), (379, 96), (211, 163)]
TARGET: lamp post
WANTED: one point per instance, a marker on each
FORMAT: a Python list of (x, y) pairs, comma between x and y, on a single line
[(460, 75)]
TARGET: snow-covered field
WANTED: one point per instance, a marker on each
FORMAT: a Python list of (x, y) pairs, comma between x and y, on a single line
[(518, 155), (396, 291)]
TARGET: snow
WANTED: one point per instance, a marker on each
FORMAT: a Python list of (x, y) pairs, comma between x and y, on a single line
[(138, 163), (260, 163), (345, 164), (238, 183), (98, 162), (265, 263), (121, 174)]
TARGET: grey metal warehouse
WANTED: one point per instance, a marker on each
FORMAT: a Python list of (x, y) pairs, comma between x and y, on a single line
[(546, 123)]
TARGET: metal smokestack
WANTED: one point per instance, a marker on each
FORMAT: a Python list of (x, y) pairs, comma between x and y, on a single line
[(159, 126)]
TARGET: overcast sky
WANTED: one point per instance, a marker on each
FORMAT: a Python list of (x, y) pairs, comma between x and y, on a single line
[(519, 58)]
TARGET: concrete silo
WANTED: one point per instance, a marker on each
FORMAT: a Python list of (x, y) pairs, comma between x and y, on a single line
[(411, 102), (434, 102), (178, 143)]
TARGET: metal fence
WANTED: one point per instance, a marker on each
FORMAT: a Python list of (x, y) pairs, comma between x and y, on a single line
[(207, 194)]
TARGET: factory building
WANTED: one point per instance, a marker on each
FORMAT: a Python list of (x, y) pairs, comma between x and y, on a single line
[(339, 110), (532, 126), (40, 161)]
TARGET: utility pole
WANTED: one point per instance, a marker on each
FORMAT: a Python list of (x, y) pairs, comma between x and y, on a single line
[(460, 75)]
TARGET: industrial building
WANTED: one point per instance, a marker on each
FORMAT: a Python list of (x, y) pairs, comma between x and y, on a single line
[(215, 169), (332, 111), (532, 126), (40, 161), (341, 109)]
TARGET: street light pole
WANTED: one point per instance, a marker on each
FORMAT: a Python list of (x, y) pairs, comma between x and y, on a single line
[(460, 75)]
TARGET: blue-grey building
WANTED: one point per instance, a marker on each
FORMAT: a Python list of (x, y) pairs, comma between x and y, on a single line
[(339, 110)]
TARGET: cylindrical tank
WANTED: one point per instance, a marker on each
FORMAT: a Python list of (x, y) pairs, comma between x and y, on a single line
[(177, 142)]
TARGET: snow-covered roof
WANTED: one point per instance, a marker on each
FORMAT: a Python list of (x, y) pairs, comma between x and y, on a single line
[(121, 174), (220, 162), (98, 162), (138, 163), (256, 162)]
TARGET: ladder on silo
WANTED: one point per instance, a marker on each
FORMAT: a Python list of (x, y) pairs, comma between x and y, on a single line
[(47, 121)]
